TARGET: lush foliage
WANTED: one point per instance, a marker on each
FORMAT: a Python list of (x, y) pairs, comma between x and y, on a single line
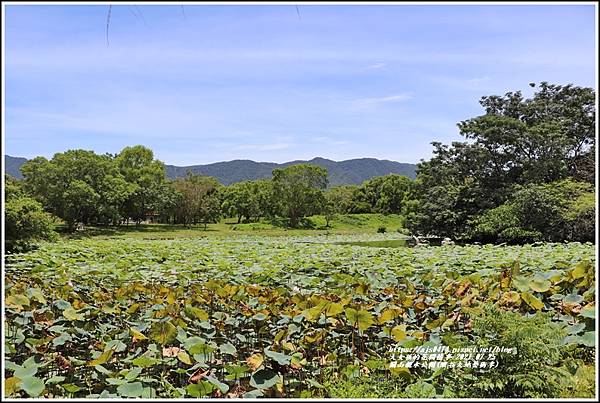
[(198, 200), (283, 316), (248, 201), (299, 191), (385, 194), (389, 194), (81, 187), (78, 186), (147, 178), (562, 210), (524, 174), (537, 371), (25, 220), (517, 143)]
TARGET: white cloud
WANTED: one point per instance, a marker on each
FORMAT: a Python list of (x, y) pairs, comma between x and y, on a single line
[(479, 84), (264, 147), (387, 99), (478, 80), (377, 66), (330, 141), (157, 57)]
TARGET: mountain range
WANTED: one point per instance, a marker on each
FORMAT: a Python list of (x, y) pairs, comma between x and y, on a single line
[(354, 171)]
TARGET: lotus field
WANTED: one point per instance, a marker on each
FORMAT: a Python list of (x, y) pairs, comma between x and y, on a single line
[(280, 316)]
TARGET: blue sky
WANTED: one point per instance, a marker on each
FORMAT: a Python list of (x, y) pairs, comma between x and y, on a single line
[(215, 83)]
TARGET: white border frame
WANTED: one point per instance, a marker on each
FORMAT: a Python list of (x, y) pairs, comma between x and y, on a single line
[(290, 3)]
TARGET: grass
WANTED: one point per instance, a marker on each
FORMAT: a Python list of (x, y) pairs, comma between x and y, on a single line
[(315, 225)]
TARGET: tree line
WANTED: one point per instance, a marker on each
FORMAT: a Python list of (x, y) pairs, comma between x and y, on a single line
[(525, 173), (81, 187)]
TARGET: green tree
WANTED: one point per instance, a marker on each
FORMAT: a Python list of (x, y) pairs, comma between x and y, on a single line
[(343, 197), (447, 191), (385, 194), (147, 175), (561, 210), (12, 187), (540, 139), (198, 201), (298, 191), (78, 186), (517, 142), (166, 202), (265, 197), (331, 207), (580, 217), (24, 219), (244, 200)]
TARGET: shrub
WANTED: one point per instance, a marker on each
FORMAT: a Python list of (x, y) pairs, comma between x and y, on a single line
[(365, 387), (580, 218), (381, 229), (538, 208), (584, 383), (404, 231), (561, 210), (519, 236), (25, 222), (536, 371), (488, 226)]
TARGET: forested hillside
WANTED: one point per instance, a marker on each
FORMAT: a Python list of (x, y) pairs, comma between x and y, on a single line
[(349, 172), (13, 166)]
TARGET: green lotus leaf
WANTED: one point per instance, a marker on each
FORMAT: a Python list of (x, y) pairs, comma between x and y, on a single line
[(361, 318), (282, 359), (264, 379), (31, 385), (200, 389), (163, 332), (134, 389)]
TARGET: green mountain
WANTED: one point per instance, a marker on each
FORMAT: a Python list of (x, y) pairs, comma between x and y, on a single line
[(353, 171), (12, 166)]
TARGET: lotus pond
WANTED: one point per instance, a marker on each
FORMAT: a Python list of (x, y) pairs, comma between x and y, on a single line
[(251, 316)]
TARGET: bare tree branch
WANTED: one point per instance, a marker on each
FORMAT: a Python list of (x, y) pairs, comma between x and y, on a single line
[(138, 15), (140, 12), (134, 14), (108, 24)]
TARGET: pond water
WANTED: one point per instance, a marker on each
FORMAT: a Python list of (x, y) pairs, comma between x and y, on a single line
[(389, 243)]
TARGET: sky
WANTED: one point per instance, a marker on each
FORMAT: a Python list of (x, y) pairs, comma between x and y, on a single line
[(202, 84)]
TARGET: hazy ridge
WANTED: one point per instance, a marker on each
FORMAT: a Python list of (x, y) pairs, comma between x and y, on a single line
[(354, 171)]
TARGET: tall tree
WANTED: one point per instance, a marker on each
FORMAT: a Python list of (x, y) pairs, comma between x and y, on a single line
[(536, 140), (241, 200), (518, 141), (385, 194), (264, 194), (138, 167), (298, 191), (338, 200), (248, 200), (78, 186), (342, 198), (198, 201)]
